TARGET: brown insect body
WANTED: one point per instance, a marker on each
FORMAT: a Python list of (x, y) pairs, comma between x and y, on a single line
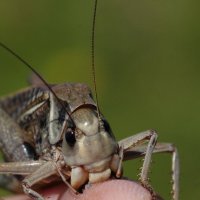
[(43, 124), (43, 143), (56, 132)]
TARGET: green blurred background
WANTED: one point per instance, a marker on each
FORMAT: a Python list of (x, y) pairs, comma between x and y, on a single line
[(147, 66)]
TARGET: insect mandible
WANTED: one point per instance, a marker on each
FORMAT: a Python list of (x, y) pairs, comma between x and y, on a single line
[(53, 129)]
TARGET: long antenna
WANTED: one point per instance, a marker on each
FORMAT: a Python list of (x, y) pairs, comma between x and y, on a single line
[(93, 54), (37, 74)]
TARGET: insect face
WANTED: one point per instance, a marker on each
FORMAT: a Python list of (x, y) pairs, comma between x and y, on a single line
[(81, 140), (89, 145)]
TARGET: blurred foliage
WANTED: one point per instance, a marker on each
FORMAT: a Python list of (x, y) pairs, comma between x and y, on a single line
[(147, 63)]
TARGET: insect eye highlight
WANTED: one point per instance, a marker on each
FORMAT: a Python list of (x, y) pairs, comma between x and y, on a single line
[(70, 137)]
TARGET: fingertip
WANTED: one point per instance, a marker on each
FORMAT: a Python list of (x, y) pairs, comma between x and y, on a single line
[(112, 190), (108, 190)]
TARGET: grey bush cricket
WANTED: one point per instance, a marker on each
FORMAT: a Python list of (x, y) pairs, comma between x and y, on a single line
[(48, 133)]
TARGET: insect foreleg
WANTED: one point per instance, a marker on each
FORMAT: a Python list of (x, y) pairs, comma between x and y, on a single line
[(170, 148), (139, 151), (138, 139), (134, 149)]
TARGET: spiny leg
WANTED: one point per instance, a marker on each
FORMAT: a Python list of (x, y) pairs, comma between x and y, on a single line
[(147, 160), (170, 148), (139, 151), (138, 139)]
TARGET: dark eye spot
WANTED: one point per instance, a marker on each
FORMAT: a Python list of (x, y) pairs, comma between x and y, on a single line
[(29, 151), (106, 126), (70, 137)]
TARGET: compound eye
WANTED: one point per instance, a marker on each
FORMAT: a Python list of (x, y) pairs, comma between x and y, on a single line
[(106, 126), (70, 137)]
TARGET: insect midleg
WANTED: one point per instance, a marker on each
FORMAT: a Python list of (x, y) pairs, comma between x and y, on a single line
[(11, 150), (37, 176), (11, 138), (21, 167), (51, 168)]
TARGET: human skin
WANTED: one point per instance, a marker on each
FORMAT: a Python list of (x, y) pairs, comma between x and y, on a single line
[(109, 190)]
